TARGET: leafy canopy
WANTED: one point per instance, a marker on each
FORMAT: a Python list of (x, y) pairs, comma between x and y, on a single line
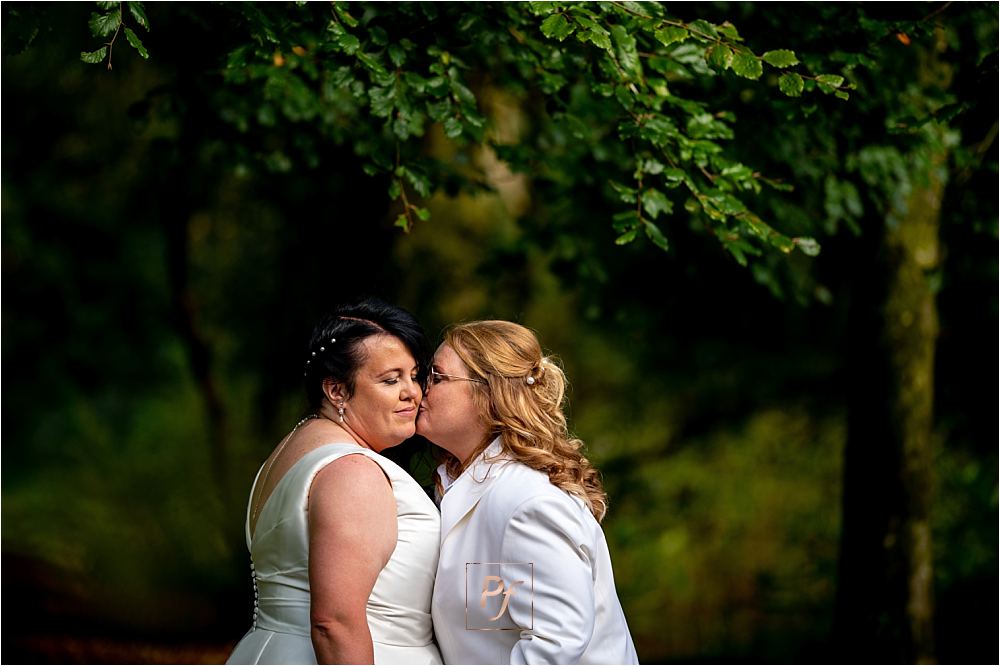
[(616, 89)]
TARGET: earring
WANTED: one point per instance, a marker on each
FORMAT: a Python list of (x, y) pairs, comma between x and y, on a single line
[(340, 413)]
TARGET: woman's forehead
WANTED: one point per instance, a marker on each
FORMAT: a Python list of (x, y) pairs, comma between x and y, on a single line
[(386, 350), (445, 356)]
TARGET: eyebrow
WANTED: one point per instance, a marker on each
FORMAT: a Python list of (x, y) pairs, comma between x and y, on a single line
[(401, 371)]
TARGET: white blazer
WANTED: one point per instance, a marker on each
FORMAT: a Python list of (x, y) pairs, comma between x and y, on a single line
[(565, 612)]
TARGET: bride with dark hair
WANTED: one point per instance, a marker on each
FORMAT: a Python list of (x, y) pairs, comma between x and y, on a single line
[(343, 542)]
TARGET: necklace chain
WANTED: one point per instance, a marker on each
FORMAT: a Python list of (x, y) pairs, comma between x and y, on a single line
[(274, 458)]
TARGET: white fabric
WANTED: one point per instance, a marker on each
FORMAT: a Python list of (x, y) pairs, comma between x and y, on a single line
[(500, 510), (399, 606)]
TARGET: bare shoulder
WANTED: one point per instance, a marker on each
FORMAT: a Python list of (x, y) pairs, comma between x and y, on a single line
[(353, 477), (352, 520)]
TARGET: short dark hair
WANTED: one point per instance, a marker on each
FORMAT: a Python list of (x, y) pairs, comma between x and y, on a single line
[(336, 351)]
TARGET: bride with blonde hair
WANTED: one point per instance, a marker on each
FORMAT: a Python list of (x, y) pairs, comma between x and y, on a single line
[(524, 574)]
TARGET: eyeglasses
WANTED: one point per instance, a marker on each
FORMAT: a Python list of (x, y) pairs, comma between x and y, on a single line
[(436, 378)]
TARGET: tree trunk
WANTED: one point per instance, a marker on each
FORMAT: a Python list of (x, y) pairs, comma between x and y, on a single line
[(885, 603), (180, 192)]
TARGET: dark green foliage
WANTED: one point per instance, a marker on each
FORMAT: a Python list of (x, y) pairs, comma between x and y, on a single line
[(391, 69), (109, 22), (173, 227)]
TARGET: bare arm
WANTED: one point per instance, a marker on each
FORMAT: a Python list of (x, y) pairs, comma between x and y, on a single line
[(352, 533)]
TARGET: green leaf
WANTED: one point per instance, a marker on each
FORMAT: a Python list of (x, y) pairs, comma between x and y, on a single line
[(599, 38), (807, 246), (397, 55), (464, 95), (105, 4), (437, 86), (746, 64), (780, 58), (585, 18), (658, 130), (558, 27), (238, 57), (341, 10), (94, 57), (625, 194), (628, 56), (655, 235), (347, 43), (423, 214), (719, 57), (791, 84), (729, 31), (102, 25), (627, 237), (639, 9), (840, 94), (403, 222), (136, 43), (670, 35), (738, 248), (383, 100), (372, 64), (542, 8), (651, 166), (703, 29), (378, 35), (829, 82), (738, 172), (138, 12), (674, 174), (655, 202), (421, 183), (452, 128), (625, 220), (729, 204), (395, 189)]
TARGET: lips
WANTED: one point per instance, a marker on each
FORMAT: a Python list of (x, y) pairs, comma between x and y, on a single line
[(409, 411)]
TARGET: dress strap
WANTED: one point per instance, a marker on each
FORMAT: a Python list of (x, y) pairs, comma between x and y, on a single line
[(253, 487)]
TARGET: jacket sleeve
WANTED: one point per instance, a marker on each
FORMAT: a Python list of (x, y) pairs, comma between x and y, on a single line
[(558, 617)]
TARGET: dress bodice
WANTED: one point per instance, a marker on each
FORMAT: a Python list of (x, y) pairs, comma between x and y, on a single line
[(399, 606)]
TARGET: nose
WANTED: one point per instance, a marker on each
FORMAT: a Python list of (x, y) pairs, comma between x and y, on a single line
[(411, 389)]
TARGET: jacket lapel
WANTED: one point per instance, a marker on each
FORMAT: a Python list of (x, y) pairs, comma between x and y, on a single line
[(462, 496)]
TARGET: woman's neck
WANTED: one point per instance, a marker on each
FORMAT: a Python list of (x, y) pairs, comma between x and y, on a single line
[(476, 451)]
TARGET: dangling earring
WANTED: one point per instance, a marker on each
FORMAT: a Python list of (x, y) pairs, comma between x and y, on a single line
[(340, 412)]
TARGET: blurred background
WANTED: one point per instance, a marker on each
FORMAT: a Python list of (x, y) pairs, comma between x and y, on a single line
[(158, 290)]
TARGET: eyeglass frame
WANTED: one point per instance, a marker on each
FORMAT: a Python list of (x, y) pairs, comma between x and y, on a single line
[(432, 378)]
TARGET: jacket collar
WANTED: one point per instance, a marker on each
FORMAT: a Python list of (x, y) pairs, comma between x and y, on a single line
[(462, 494)]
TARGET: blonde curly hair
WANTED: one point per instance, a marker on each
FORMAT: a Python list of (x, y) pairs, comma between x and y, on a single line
[(521, 401)]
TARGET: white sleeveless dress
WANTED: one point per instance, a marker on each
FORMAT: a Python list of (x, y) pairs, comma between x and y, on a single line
[(399, 608)]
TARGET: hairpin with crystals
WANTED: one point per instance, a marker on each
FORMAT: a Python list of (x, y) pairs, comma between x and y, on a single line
[(313, 355)]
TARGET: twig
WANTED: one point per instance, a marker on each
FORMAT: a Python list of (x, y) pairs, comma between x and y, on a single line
[(111, 44), (936, 11)]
